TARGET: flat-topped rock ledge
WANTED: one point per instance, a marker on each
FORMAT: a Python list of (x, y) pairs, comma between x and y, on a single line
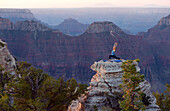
[(104, 89), (109, 66)]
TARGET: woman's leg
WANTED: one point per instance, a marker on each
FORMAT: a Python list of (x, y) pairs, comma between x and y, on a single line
[(115, 57), (110, 56)]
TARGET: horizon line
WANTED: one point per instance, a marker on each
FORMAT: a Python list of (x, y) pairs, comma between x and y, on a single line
[(85, 7)]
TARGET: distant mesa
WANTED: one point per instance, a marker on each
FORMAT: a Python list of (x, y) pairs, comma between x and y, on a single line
[(27, 25), (71, 20), (72, 27), (99, 27), (16, 14)]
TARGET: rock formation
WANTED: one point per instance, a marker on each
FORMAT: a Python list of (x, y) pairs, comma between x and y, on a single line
[(5, 24), (157, 65), (16, 14), (62, 55), (98, 27), (30, 26), (104, 90), (165, 21), (7, 61), (72, 27), (133, 19)]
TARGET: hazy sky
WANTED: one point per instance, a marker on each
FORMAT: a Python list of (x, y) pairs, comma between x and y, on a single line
[(82, 3)]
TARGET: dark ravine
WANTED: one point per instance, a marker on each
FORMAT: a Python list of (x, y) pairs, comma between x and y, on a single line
[(68, 56)]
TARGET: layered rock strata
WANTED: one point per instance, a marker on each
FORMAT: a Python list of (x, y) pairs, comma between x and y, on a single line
[(165, 21), (16, 14), (7, 61), (98, 27), (5, 24), (67, 27), (61, 55), (104, 90), (29, 25)]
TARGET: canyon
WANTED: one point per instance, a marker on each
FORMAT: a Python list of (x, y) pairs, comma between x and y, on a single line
[(67, 56)]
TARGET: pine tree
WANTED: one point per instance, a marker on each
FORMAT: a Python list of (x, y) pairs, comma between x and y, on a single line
[(132, 95), (167, 97), (163, 100), (33, 90), (5, 78)]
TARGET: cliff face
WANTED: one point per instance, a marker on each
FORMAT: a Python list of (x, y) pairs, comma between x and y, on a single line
[(6, 59), (5, 24), (16, 14), (157, 65), (165, 21), (72, 27), (98, 27), (62, 55), (104, 90), (30, 26)]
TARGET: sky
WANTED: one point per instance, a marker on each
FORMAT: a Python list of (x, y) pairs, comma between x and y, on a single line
[(82, 3)]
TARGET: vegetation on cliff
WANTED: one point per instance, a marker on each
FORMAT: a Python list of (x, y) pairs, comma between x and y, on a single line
[(163, 100), (30, 89), (132, 95)]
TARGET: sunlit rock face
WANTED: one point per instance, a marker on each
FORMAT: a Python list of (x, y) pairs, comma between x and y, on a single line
[(104, 90), (7, 61)]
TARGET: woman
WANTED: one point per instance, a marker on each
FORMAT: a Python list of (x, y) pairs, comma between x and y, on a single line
[(113, 52)]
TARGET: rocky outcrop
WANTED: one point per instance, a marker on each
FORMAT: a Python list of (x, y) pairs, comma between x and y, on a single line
[(165, 21), (16, 14), (104, 90), (72, 27), (30, 26), (7, 61), (5, 24), (99, 27)]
